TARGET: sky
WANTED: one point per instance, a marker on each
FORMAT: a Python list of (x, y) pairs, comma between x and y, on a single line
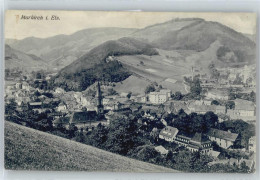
[(73, 21)]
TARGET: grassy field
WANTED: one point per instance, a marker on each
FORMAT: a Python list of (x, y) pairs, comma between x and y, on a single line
[(29, 149)]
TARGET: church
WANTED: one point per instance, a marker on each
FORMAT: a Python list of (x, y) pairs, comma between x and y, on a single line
[(86, 119)]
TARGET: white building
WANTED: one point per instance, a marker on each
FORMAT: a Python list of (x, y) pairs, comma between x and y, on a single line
[(252, 144), (62, 107), (168, 133), (160, 97), (26, 86), (18, 85), (217, 94), (59, 91)]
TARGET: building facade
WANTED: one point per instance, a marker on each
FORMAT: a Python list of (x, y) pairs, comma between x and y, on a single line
[(224, 139), (168, 133), (160, 97)]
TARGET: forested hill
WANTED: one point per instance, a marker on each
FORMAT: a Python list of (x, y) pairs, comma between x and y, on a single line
[(95, 65)]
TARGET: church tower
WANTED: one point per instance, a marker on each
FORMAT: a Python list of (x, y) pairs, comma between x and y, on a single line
[(100, 107)]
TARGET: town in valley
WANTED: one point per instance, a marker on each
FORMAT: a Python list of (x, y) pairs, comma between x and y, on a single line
[(191, 118)]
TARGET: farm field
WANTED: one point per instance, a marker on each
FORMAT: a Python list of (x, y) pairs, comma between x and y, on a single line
[(29, 149)]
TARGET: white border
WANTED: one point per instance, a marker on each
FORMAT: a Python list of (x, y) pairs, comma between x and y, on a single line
[(123, 5)]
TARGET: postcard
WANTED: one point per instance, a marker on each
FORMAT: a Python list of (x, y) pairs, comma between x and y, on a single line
[(130, 91)]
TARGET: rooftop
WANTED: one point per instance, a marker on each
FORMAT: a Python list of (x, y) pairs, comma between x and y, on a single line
[(83, 117), (222, 134), (169, 131)]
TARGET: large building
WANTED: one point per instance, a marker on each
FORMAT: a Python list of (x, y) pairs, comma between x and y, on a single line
[(168, 133), (202, 109), (199, 142), (217, 94), (160, 97), (224, 139)]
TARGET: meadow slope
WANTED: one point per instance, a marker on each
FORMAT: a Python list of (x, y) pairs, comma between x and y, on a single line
[(29, 149)]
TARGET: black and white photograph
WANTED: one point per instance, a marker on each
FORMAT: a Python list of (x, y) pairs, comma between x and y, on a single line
[(111, 91)]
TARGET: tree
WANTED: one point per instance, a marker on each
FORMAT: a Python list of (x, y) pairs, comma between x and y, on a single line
[(253, 96), (38, 75), (98, 136), (122, 135), (10, 107), (178, 96), (149, 88), (215, 102), (211, 119), (145, 153), (182, 121), (238, 80), (169, 155), (230, 105), (213, 71), (196, 123), (37, 93), (129, 95), (80, 137), (111, 91), (195, 88), (72, 130), (244, 168)]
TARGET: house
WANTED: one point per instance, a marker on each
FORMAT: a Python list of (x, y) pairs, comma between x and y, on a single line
[(217, 94), (140, 98), (168, 133), (167, 92), (161, 150), (77, 96), (202, 109), (123, 94), (214, 154), (59, 91), (224, 139), (252, 144), (21, 100), (61, 121), (82, 119), (35, 105), (18, 85), (220, 110), (202, 102), (246, 114), (62, 107), (199, 142), (26, 86), (245, 110), (174, 106), (160, 97), (86, 100)]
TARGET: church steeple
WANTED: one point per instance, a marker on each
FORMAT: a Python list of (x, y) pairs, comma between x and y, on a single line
[(100, 107)]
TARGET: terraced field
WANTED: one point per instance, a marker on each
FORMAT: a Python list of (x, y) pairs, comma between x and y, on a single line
[(29, 149)]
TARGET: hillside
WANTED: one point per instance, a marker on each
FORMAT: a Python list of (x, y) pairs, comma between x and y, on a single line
[(18, 59), (29, 149), (198, 35), (178, 34), (95, 66), (61, 50)]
